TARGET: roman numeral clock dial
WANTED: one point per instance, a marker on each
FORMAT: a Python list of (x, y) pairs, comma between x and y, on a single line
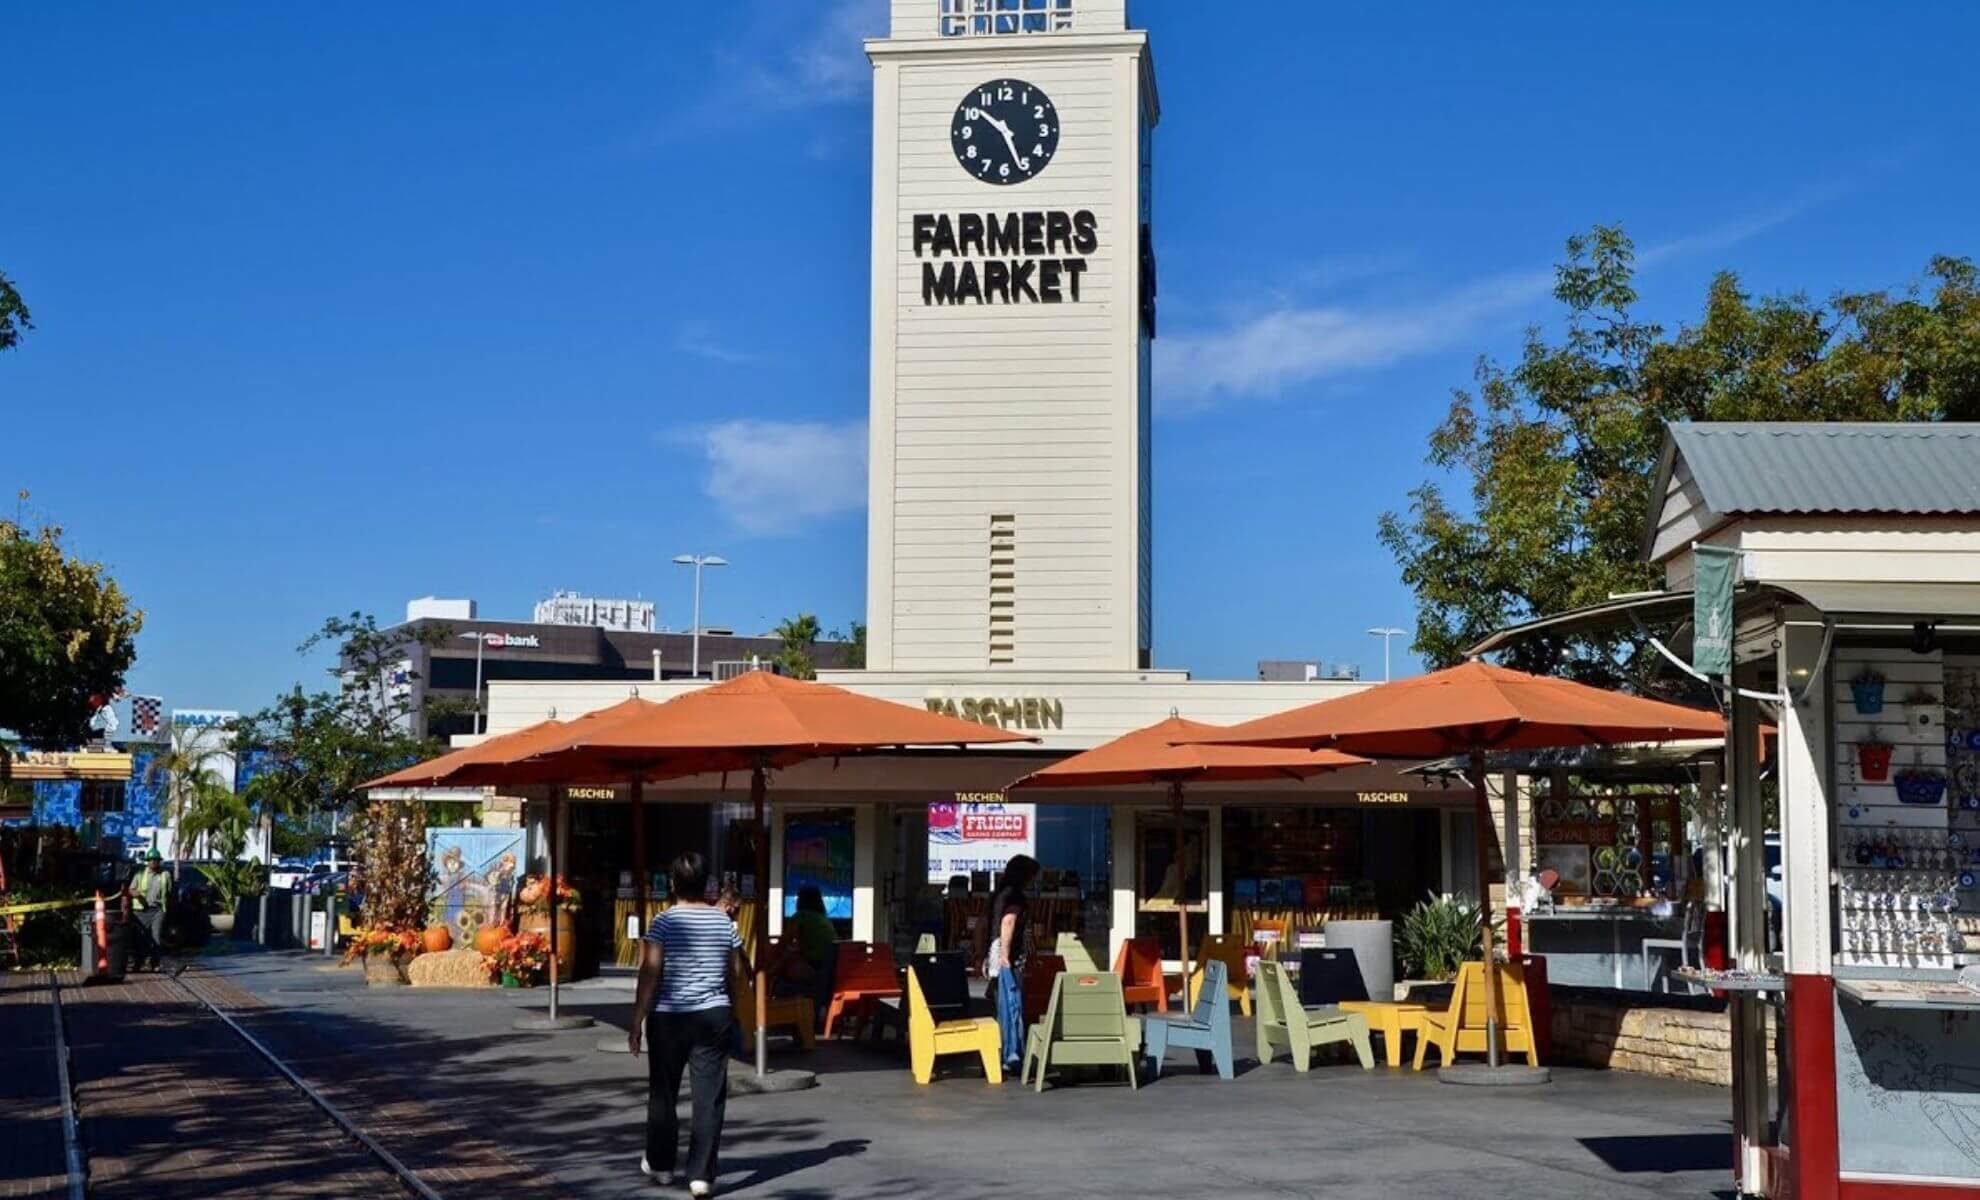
[(1005, 131)]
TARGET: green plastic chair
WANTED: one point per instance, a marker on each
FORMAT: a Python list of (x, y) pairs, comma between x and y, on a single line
[(925, 944), (1282, 1021), (1086, 1024), (1076, 953)]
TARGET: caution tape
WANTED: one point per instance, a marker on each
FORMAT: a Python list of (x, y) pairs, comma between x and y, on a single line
[(14, 910)]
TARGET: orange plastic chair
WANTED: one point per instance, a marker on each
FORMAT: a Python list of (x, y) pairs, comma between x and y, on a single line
[(1036, 984), (864, 975), (1139, 964)]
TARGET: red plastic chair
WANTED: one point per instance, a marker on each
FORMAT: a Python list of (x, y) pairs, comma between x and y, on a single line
[(1139, 964), (1036, 984), (864, 975)]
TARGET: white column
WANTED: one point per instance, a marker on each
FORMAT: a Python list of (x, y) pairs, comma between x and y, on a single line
[(1213, 876), (774, 886), (866, 844), (1805, 808), (1122, 872)]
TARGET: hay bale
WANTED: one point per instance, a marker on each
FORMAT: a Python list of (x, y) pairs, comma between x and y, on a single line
[(449, 968)]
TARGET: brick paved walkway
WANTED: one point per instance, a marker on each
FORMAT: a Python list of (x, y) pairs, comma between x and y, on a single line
[(174, 1104), (31, 1159)]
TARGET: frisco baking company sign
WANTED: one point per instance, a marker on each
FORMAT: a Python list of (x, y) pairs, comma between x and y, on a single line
[(1020, 712)]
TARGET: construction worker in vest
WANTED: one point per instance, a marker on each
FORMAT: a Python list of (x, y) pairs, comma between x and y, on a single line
[(151, 892)]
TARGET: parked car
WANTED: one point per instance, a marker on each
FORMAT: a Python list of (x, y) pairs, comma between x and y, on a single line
[(287, 873)]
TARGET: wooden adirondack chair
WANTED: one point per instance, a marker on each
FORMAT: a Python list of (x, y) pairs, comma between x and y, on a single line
[(1085, 1024), (925, 944), (1461, 1029), (1205, 1029), (929, 1039), (863, 976), (796, 1013), (1076, 954), (1139, 964), (1282, 1021), (1035, 987), (944, 983), (1231, 950)]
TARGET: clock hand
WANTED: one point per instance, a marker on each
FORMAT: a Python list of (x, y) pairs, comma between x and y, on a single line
[(1009, 139)]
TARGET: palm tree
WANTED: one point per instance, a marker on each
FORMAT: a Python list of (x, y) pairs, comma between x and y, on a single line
[(798, 634), (193, 789)]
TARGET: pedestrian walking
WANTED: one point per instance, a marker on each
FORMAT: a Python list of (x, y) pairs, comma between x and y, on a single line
[(1009, 925), (692, 951), (151, 893)]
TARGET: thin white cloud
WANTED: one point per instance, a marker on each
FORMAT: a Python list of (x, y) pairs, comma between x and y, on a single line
[(1301, 344), (802, 56), (776, 477), (1294, 343), (698, 339)]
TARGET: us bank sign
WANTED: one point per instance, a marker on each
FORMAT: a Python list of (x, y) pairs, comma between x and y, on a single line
[(1020, 712)]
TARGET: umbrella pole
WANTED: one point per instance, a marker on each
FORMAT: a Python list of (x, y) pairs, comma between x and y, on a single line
[(1482, 819), (556, 966), (639, 856), (760, 936), (1182, 888)]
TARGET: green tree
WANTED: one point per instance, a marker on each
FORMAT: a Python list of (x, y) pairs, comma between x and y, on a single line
[(799, 635), (854, 636), (67, 636), (14, 319), (1556, 451), (321, 746), (197, 801)]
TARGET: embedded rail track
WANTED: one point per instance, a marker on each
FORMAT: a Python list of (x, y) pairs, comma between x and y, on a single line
[(122, 1097)]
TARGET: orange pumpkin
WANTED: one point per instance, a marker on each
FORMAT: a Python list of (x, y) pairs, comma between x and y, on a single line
[(438, 939), (488, 938)]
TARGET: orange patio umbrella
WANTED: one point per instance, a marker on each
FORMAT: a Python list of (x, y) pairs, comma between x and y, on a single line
[(1471, 709), (505, 759), (1164, 753), (756, 722)]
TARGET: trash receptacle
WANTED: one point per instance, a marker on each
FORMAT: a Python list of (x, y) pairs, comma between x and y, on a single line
[(118, 940)]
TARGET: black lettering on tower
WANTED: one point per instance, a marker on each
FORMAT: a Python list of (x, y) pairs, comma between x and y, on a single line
[(1074, 268), (1021, 272), (1058, 231), (1086, 239), (945, 235), (1048, 280), (938, 288), (1003, 233), (996, 280), (1034, 233), (924, 228), (969, 231), (967, 287)]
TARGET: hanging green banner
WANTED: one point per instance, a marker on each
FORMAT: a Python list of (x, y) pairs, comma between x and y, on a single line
[(1712, 609)]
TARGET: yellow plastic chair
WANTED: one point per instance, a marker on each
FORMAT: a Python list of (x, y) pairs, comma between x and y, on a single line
[(1229, 949), (1461, 1028), (795, 1013), (929, 1039)]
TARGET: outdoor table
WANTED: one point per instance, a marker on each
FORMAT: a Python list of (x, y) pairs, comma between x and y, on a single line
[(1390, 1018)]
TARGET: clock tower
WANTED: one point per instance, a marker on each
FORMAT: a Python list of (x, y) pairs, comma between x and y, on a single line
[(1013, 304)]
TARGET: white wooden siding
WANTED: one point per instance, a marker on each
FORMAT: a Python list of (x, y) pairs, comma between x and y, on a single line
[(1029, 410)]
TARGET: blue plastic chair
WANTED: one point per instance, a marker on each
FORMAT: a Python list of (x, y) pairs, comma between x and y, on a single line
[(1206, 1028)]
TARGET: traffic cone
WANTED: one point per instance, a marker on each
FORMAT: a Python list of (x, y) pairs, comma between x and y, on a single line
[(102, 936)]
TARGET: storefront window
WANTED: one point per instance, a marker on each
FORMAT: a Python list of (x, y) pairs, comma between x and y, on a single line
[(1288, 869), (818, 852), (1171, 880)]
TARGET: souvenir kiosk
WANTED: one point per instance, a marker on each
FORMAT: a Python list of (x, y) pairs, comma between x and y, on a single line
[(1853, 553)]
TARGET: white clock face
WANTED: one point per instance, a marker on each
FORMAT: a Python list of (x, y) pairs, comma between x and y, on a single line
[(1005, 131)]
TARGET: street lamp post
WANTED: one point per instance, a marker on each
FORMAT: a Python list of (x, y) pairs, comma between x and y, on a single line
[(480, 641), (1386, 632), (698, 561)]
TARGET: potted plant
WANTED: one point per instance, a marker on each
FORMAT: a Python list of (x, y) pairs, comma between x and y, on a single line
[(533, 900), (1866, 691), (1920, 785), (1873, 758), (520, 960), (384, 953), (1438, 936)]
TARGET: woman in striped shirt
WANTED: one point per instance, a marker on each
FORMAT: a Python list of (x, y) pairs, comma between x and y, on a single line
[(691, 952)]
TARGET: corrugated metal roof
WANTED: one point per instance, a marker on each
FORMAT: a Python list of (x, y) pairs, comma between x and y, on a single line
[(1841, 467)]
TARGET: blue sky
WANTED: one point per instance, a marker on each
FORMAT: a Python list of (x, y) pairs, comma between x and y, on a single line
[(339, 306)]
